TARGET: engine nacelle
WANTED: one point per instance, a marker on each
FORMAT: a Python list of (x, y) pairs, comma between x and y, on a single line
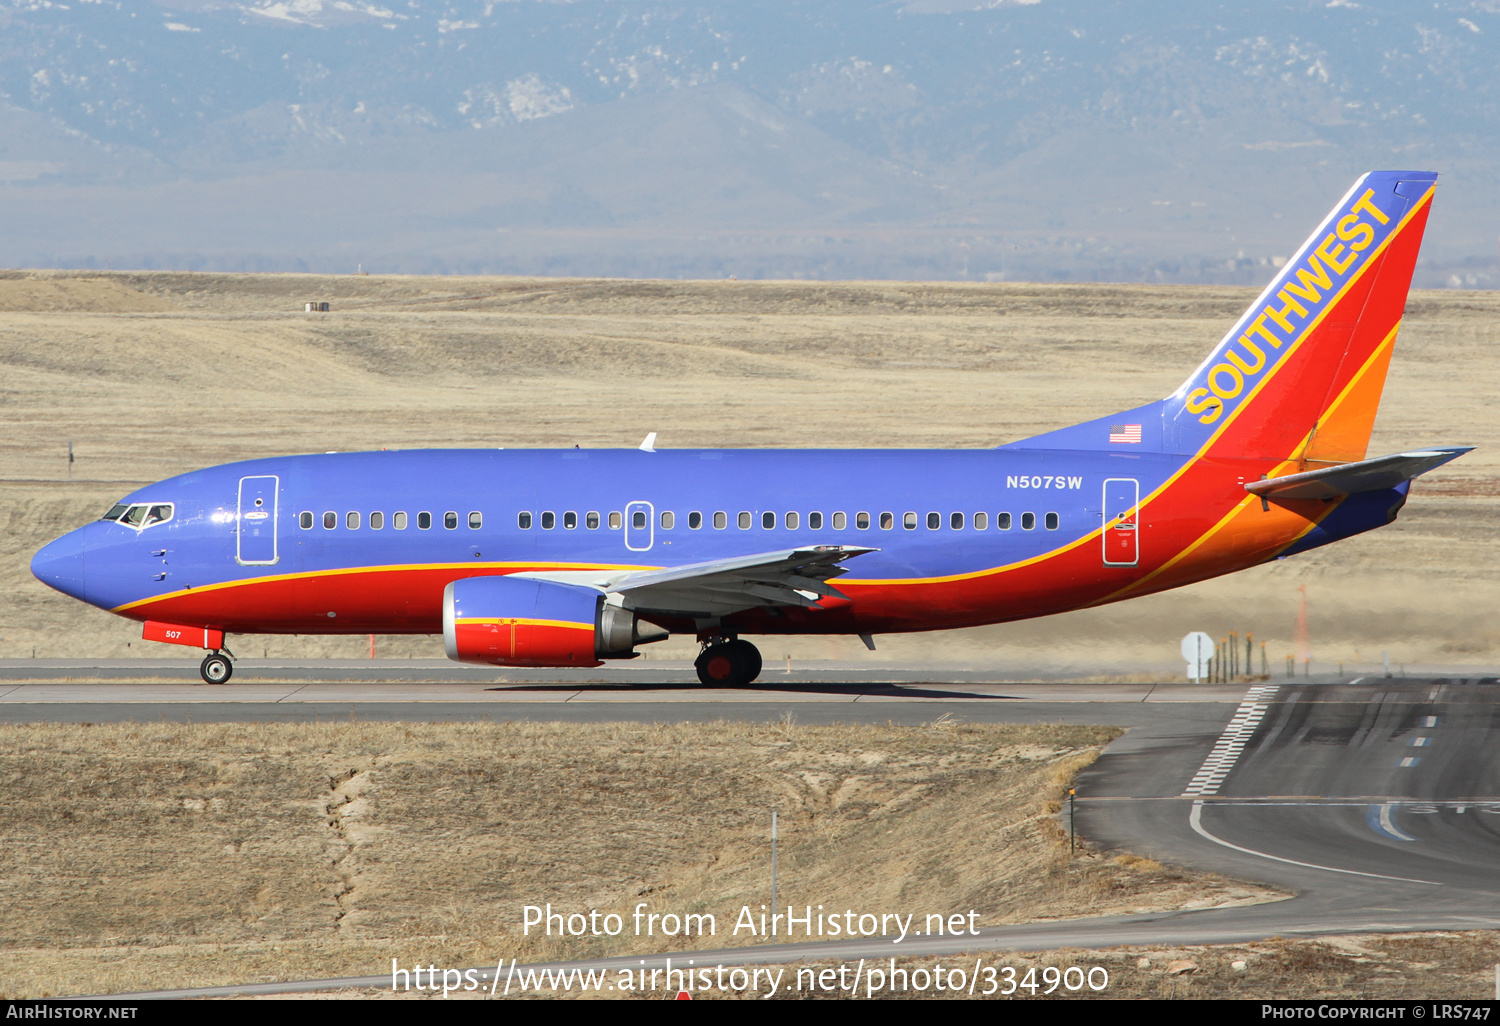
[(509, 621)]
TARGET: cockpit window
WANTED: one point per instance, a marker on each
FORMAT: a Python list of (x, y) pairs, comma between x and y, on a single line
[(140, 515)]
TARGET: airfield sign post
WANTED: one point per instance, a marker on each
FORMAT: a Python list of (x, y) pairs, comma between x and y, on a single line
[(1197, 649), (773, 872)]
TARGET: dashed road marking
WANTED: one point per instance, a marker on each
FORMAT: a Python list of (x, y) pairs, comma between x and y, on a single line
[(1222, 759)]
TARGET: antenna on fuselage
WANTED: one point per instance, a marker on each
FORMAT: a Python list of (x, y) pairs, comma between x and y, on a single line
[(649, 445)]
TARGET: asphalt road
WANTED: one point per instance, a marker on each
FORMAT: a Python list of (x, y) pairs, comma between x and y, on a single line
[(1377, 803)]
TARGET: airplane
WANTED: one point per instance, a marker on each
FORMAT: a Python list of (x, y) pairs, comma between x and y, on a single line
[(568, 558)]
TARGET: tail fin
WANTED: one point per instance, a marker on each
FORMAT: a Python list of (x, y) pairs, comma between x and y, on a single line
[(1299, 376)]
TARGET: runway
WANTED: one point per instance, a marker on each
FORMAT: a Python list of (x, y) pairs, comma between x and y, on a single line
[(1376, 803)]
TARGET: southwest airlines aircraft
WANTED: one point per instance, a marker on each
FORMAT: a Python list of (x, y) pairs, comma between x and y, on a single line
[(565, 558)]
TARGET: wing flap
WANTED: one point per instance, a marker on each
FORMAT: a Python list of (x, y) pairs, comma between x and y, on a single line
[(787, 577)]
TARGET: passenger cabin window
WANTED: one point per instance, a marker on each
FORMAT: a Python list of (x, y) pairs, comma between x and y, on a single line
[(638, 520), (476, 520), (450, 520), (377, 521), (956, 521), (721, 520), (351, 521), (667, 520), (768, 521), (840, 521), (790, 521), (934, 521), (570, 520), (909, 521), (695, 520), (862, 521), (1052, 521), (1002, 521), (744, 521), (887, 521), (330, 521), (398, 521), (1028, 521), (523, 521), (615, 521), (591, 521), (305, 520), (981, 521), (424, 521), (549, 520), (815, 521)]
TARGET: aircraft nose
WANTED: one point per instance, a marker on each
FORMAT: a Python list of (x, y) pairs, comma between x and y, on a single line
[(59, 564)]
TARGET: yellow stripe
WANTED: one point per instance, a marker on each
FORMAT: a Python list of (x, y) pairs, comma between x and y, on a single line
[(1291, 464), (522, 621), (390, 568), (1338, 401)]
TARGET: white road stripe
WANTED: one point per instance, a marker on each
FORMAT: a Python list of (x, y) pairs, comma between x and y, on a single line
[(1232, 742), (1195, 819)]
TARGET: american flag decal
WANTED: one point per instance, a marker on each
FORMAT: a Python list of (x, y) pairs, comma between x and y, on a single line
[(1125, 433)]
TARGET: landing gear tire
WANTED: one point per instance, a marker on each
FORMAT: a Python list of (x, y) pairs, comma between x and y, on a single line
[(751, 655), (728, 664), (216, 668)]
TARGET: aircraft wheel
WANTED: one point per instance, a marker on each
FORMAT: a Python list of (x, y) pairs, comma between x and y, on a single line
[(216, 669), (750, 656), (716, 665)]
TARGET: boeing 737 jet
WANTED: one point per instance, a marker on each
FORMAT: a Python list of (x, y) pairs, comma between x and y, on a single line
[(566, 558)]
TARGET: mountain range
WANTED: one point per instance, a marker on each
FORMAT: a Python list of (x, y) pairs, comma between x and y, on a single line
[(1021, 139)]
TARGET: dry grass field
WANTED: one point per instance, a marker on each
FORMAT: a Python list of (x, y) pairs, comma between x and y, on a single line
[(143, 856), (153, 374)]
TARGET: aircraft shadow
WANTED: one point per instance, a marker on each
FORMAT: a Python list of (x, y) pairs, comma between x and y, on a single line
[(862, 690)]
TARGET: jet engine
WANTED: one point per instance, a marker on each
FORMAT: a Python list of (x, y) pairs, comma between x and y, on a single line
[(510, 621)]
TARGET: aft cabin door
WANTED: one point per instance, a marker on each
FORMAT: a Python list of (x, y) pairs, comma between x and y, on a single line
[(1122, 536), (255, 544)]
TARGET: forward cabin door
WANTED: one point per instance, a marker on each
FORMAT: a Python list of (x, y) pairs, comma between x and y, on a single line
[(255, 543), (1122, 536)]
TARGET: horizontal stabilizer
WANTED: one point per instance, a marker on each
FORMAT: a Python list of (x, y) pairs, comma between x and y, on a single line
[(1353, 478)]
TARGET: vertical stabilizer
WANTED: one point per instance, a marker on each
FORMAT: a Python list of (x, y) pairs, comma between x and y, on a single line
[(1300, 375)]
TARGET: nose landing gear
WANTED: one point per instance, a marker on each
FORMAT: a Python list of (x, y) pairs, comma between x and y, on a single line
[(216, 668), (728, 662)]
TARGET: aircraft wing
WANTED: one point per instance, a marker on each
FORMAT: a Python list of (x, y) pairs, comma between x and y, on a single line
[(788, 577), (1353, 478)]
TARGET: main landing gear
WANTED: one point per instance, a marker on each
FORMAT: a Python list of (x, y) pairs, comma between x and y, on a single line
[(728, 662), (216, 668)]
